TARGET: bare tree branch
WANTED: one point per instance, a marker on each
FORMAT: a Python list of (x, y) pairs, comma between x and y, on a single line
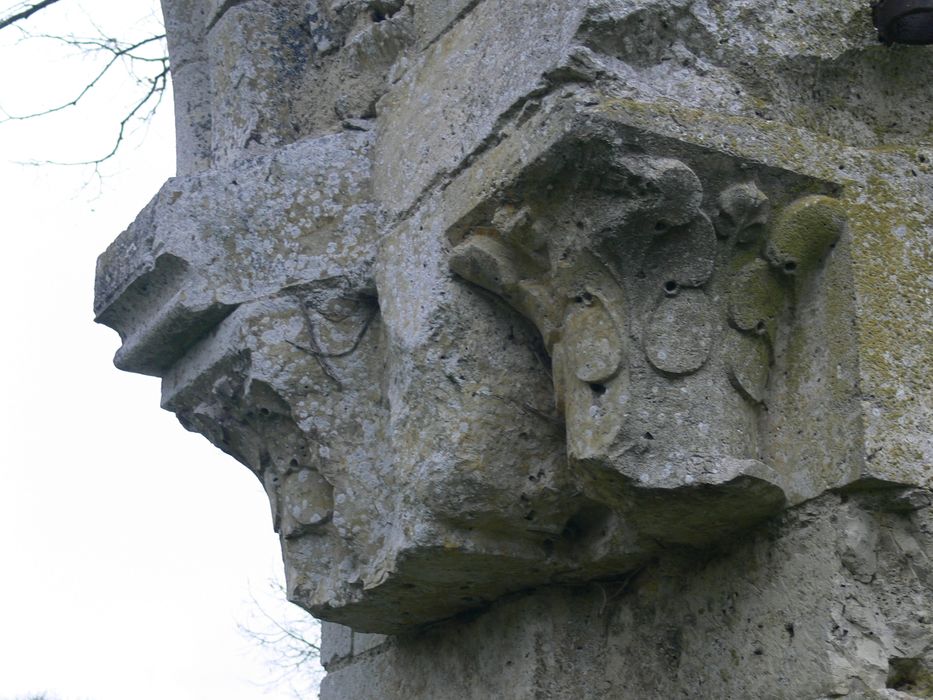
[(291, 643), (155, 91), (26, 13), (150, 70), (145, 60), (110, 45)]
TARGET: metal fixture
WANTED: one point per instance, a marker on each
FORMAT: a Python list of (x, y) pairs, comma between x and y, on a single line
[(904, 21)]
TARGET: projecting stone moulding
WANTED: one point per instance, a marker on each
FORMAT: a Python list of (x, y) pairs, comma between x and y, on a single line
[(611, 343), (596, 343)]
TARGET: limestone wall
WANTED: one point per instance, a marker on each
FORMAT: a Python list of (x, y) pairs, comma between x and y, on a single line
[(583, 347), (831, 599)]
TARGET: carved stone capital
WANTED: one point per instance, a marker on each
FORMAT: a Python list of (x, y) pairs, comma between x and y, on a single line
[(667, 286)]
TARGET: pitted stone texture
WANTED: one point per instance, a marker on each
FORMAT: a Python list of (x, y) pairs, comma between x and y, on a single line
[(360, 48), (604, 242), (779, 61), (185, 21), (883, 338), (251, 100), (429, 446), (459, 491), (680, 333), (201, 247), (433, 18), (889, 337), (336, 643), (255, 75), (830, 600), (755, 59), (466, 86)]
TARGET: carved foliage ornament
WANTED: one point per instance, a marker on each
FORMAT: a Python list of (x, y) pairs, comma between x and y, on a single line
[(661, 308)]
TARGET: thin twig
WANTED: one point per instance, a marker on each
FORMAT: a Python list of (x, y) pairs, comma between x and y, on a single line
[(291, 643), (342, 353), (25, 14), (315, 350), (153, 81), (117, 55), (157, 87)]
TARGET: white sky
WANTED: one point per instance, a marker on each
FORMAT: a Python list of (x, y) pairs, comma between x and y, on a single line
[(128, 547)]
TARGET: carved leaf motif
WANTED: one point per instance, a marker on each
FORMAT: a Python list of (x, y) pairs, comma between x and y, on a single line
[(804, 231), (756, 298), (485, 261), (592, 342), (591, 410), (743, 212), (748, 365), (662, 189), (536, 302), (680, 332), (684, 255), (506, 271)]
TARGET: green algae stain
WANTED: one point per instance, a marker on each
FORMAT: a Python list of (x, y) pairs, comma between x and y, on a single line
[(803, 232)]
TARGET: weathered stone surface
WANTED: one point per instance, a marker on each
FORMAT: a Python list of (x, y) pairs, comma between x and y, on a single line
[(501, 296), (367, 642), (680, 292), (433, 18), (336, 643), (251, 105), (467, 85), (200, 248), (680, 332), (830, 600), (184, 25)]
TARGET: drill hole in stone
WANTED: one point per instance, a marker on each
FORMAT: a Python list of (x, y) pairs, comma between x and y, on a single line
[(587, 525), (790, 267), (648, 436), (671, 288), (760, 328), (597, 388), (382, 10)]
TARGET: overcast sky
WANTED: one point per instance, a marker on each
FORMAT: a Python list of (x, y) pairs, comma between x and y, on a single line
[(128, 547)]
